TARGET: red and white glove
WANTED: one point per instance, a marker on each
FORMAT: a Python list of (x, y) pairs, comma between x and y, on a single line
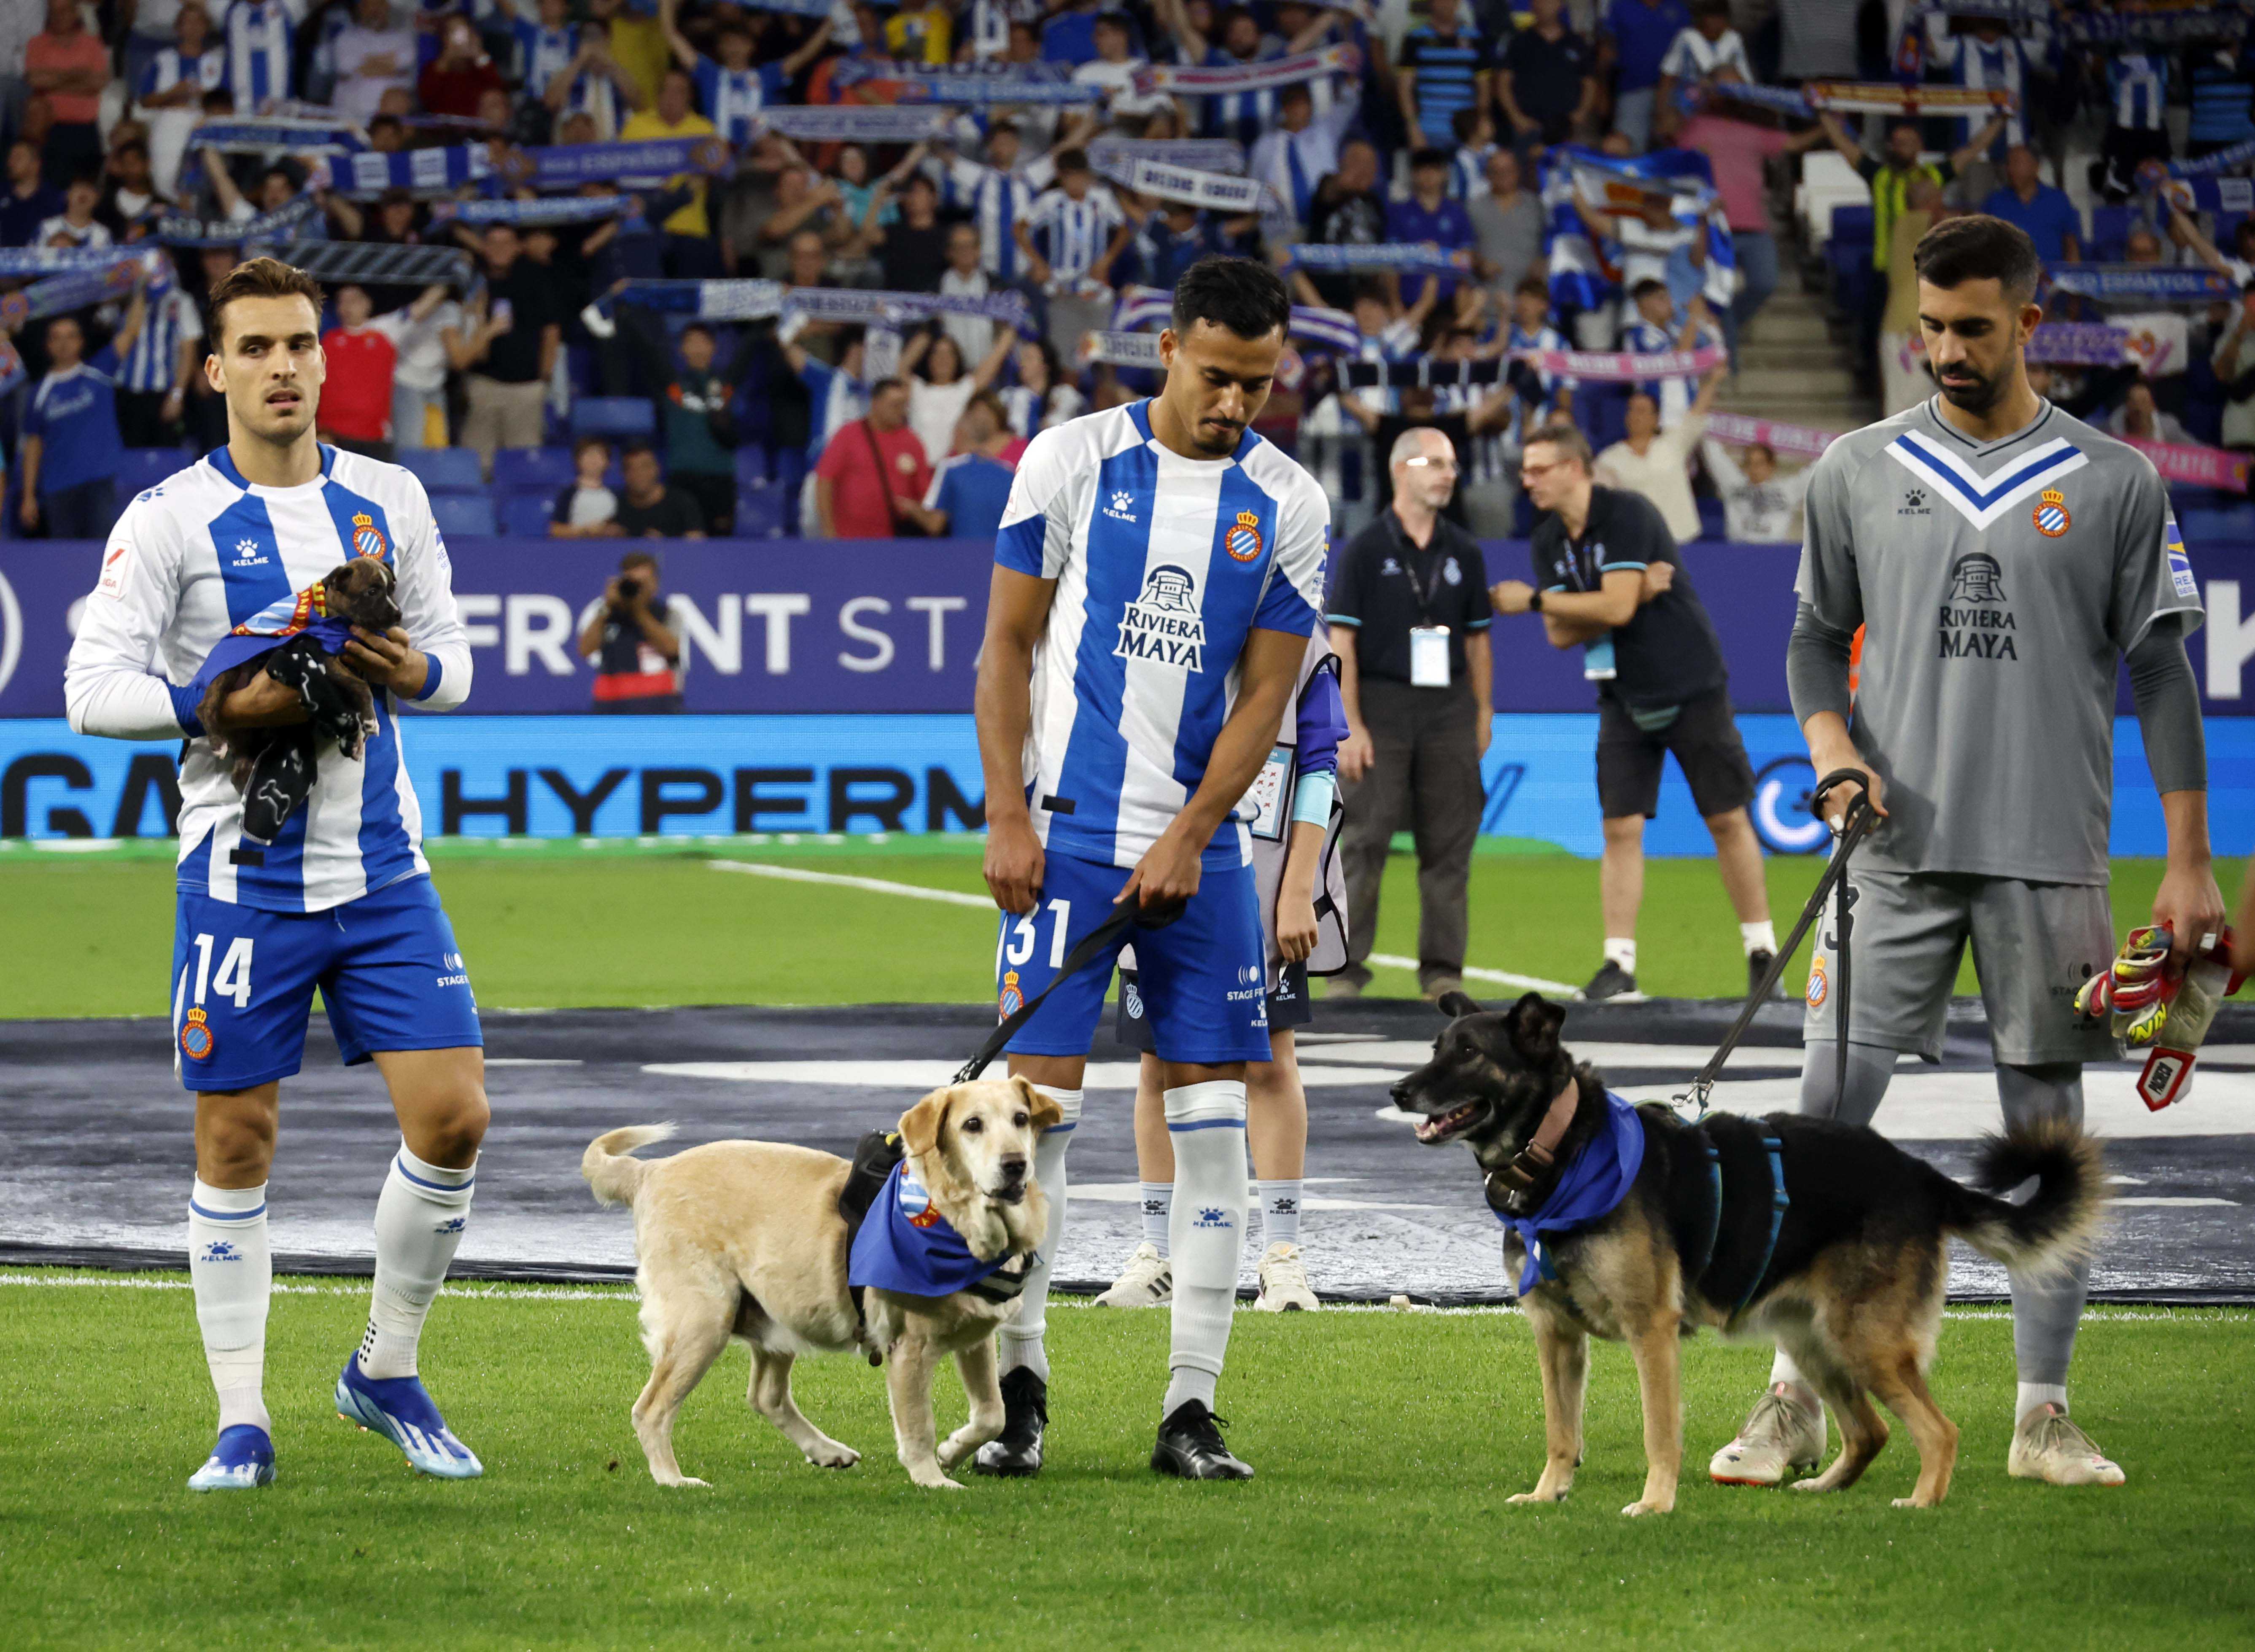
[(2145, 1002)]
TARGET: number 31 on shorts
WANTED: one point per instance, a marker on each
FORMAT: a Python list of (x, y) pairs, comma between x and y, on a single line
[(1019, 937), (232, 980)]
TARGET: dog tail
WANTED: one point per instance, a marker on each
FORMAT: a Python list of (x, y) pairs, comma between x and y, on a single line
[(2056, 1227), (615, 1178)]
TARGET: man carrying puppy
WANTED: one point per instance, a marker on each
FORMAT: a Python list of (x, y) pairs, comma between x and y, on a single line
[(341, 899), (1156, 579)]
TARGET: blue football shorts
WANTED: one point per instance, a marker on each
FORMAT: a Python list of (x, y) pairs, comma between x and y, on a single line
[(1202, 977), (390, 976)]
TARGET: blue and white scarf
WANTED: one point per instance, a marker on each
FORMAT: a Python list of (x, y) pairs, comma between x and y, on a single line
[(763, 300), (856, 124), (1187, 80), (904, 1244), (425, 170), (179, 229), (917, 83), (49, 261), (562, 165), (2079, 345), (1410, 257), (1216, 191), (1590, 1189), (2159, 283), (314, 134), (560, 209), (1199, 154), (75, 290)]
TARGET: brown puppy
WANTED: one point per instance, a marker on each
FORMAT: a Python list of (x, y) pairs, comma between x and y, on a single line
[(745, 1239), (1847, 1275), (362, 591)]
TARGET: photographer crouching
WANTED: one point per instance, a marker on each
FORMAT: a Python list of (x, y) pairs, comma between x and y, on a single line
[(637, 656)]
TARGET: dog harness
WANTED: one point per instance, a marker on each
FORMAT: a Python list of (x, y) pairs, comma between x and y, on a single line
[(1589, 1187), (1732, 1235), (904, 1244)]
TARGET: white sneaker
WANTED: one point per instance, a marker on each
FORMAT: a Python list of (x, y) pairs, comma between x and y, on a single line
[(2047, 1445), (1283, 1281), (1147, 1281), (1781, 1435)]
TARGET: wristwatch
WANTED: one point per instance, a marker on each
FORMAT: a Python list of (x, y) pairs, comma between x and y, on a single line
[(1535, 603)]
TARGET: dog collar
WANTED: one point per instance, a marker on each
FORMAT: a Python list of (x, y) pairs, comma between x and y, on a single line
[(1519, 1187)]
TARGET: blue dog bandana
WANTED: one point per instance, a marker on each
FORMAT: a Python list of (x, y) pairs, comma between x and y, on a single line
[(906, 1245), (1591, 1187)]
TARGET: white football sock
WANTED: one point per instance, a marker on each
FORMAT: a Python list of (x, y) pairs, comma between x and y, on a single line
[(419, 1218), (1757, 937), (1205, 1232), (2035, 1394), (1782, 1369), (233, 1272), (1621, 952), (1280, 1213), (1158, 1200), (1020, 1341)]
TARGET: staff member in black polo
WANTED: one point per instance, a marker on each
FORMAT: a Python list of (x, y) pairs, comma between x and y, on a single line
[(1410, 593), (1612, 585)]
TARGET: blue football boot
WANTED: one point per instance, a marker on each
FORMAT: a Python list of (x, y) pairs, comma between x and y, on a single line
[(243, 1458), (397, 1407)]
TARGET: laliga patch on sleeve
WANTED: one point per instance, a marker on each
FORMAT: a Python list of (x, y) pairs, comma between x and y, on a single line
[(112, 583), (2179, 564)]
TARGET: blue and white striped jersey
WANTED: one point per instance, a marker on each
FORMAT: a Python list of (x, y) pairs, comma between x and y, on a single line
[(543, 54), (260, 34), (995, 200), (1163, 565), (732, 98), (156, 351), (205, 553), (167, 69), (2137, 89), (1076, 231), (1981, 68)]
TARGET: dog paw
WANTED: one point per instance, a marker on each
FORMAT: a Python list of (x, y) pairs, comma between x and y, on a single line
[(1636, 1509), (831, 1454), (686, 1481), (1911, 1502), (1538, 1497), (937, 1482)]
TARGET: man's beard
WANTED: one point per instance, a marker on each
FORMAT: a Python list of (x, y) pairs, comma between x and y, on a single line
[(1978, 395)]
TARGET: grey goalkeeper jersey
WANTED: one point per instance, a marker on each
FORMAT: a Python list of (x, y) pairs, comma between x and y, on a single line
[(1997, 583)]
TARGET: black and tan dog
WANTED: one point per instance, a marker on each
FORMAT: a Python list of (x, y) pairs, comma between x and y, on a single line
[(1848, 1277)]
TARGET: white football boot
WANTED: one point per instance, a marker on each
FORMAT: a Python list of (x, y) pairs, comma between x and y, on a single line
[(1780, 1435), (2047, 1445)]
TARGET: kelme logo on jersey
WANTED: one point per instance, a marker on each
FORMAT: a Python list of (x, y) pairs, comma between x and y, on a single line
[(1162, 624), (2051, 517), (367, 538), (1976, 623), (1914, 503), (196, 1040), (1122, 509), (1243, 541)]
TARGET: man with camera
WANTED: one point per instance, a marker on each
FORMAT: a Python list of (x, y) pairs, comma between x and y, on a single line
[(637, 656)]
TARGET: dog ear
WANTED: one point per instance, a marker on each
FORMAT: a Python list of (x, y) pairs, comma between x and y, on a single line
[(1534, 1022), (1046, 1112), (1454, 1005), (921, 1125)]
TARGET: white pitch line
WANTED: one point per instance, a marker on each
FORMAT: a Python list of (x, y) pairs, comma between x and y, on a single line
[(955, 898)]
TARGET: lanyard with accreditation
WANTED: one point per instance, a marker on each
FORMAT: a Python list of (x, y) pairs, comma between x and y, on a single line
[(1429, 643)]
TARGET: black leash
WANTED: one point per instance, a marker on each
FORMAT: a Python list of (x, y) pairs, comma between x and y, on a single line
[(1853, 828), (1104, 938)]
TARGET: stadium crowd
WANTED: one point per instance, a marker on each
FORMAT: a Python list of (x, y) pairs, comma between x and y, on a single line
[(1461, 191)]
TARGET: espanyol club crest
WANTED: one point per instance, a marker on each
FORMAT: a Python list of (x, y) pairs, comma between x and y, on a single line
[(1819, 988), (915, 1201), (1012, 999), (2051, 517), (1243, 542), (196, 1041), (367, 538)]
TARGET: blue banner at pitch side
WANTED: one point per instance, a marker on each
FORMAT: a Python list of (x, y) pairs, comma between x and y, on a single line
[(618, 776), (894, 626)]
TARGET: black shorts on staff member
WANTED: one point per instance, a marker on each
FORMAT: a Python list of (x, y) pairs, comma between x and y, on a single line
[(1704, 738)]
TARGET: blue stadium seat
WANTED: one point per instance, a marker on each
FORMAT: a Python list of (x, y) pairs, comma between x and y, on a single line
[(751, 467), (524, 515), (612, 415), (466, 515), (787, 468), (760, 512), (445, 470), (146, 466), (2110, 231), (531, 467), (1710, 519), (2211, 524)]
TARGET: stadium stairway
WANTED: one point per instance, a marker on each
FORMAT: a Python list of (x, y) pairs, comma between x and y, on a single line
[(1792, 369)]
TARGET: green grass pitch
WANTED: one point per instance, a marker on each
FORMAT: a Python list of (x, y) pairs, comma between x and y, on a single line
[(1386, 1444), (557, 926)]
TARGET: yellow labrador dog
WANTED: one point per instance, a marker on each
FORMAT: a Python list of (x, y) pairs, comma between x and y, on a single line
[(744, 1239)]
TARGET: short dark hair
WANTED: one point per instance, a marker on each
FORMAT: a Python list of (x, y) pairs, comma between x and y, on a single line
[(589, 441), (1464, 123), (1072, 160), (1112, 20), (1648, 285), (639, 559), (635, 450), (1979, 248), (1710, 9), (1241, 294), (1567, 437), (1764, 448), (883, 385), (1534, 287), (1421, 158), (259, 278)]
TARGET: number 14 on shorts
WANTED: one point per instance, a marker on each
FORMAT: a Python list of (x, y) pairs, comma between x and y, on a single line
[(233, 979)]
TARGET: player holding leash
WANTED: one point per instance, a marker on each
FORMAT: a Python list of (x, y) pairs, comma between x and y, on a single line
[(1294, 836), (2000, 555), (341, 900), (1158, 574)]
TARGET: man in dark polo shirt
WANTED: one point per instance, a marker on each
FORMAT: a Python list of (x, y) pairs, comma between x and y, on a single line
[(1611, 584), (1410, 594), (1548, 82)]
